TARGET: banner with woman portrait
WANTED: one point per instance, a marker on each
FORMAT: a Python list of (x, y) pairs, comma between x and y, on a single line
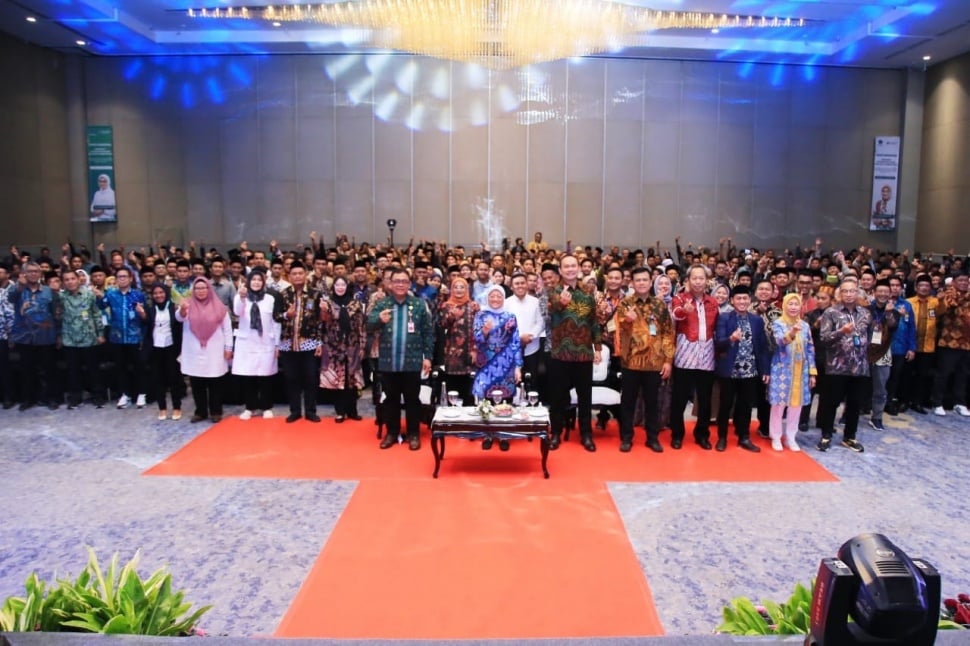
[(101, 174)]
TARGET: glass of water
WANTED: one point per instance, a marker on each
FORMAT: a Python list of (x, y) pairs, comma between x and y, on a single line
[(454, 398), (533, 398)]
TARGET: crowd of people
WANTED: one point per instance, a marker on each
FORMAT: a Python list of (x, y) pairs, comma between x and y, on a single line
[(732, 330)]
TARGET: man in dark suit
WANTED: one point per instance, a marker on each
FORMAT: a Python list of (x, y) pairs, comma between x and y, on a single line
[(742, 365)]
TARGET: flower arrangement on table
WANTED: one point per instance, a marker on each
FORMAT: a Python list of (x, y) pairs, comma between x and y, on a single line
[(485, 409)]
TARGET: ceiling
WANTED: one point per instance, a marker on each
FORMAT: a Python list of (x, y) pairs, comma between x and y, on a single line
[(865, 33)]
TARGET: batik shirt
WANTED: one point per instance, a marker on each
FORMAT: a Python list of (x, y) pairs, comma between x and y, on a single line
[(37, 316), (744, 363), (82, 323), (846, 353)]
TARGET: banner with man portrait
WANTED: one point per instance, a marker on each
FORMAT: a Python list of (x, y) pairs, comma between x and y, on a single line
[(885, 178)]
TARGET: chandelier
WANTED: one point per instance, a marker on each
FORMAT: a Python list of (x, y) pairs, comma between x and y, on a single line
[(498, 34)]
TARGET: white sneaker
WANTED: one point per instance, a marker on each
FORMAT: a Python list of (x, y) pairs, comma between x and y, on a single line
[(267, 414), (793, 447), (123, 401), (140, 402), (939, 411), (963, 410), (776, 445), (246, 414)]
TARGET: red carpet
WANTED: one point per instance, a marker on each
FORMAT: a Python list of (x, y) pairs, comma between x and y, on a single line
[(456, 560), (328, 451), (490, 549)]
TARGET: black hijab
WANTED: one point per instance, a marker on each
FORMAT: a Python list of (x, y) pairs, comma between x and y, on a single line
[(254, 297), (343, 318)]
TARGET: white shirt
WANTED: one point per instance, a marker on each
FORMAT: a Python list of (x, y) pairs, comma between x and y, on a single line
[(528, 317), (162, 333)]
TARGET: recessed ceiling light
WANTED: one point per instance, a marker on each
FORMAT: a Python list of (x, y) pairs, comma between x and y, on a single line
[(80, 43), (927, 57), (31, 19), (715, 31), (276, 24)]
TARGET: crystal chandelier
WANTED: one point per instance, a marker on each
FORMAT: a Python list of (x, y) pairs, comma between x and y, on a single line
[(499, 34)]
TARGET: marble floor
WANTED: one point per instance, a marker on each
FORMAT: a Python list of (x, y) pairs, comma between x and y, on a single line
[(73, 478)]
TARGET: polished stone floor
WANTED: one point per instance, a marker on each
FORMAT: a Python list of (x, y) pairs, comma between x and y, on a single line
[(73, 478)]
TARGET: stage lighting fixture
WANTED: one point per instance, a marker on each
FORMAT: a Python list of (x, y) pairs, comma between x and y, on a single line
[(391, 223), (891, 598)]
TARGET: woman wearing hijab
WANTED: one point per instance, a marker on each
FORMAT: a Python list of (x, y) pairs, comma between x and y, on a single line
[(257, 338), (499, 352), (792, 371), (162, 344), (456, 319), (206, 347), (344, 341)]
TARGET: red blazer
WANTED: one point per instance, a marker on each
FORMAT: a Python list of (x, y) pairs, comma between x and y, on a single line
[(686, 322)]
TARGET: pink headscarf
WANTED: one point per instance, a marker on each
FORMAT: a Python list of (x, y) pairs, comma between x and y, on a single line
[(205, 315)]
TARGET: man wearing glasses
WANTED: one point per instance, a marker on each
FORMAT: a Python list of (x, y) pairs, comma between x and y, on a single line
[(402, 323), (804, 285), (36, 331)]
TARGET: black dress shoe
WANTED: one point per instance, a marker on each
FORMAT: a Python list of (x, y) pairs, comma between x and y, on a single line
[(902, 407), (764, 433), (292, 417), (487, 444), (339, 419), (892, 409), (721, 444), (554, 443), (414, 443), (196, 419), (313, 417), (654, 445), (355, 417), (589, 445), (503, 445), (748, 445), (626, 446), (918, 409), (704, 444), (388, 441), (676, 444)]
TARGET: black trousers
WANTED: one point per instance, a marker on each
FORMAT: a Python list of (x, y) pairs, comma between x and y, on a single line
[(257, 392), (37, 373), (82, 372), (894, 387), (635, 384), (129, 368), (397, 385), (563, 375), (302, 371), (741, 394), (837, 386), (345, 401), (918, 379), (207, 393), (463, 384), (6, 383), (950, 363), (687, 383), (167, 376), (530, 365)]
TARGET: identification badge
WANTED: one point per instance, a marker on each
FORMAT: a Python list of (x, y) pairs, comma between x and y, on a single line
[(131, 315), (410, 326), (877, 337), (85, 315), (931, 313), (856, 341), (653, 328), (611, 326)]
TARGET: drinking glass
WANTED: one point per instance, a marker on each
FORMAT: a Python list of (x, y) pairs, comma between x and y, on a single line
[(533, 398), (497, 396), (454, 398)]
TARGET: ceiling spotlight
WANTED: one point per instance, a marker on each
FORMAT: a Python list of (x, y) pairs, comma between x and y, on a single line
[(81, 43), (927, 57), (715, 31), (276, 24), (31, 19)]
